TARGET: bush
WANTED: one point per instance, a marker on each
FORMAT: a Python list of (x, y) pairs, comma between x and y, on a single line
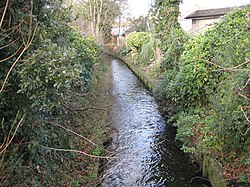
[(57, 64), (137, 39), (145, 44), (147, 53), (210, 89)]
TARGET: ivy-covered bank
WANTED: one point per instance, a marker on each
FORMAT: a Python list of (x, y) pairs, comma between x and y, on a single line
[(45, 72), (210, 94), (205, 88)]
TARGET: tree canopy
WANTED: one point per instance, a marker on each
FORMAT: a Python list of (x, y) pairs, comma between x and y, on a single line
[(97, 17)]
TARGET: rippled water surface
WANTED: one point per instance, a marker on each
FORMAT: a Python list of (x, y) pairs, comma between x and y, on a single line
[(147, 153)]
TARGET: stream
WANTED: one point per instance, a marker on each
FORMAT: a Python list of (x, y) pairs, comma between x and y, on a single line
[(147, 153)]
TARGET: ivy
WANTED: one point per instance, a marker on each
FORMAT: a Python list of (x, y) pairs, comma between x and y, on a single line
[(169, 32), (57, 64), (210, 91)]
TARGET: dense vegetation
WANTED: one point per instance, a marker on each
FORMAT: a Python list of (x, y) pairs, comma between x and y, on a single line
[(143, 47), (166, 36), (169, 32), (208, 91), (45, 71), (45, 65), (205, 87)]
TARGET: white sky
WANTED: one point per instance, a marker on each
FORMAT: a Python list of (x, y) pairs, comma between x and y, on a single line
[(141, 7)]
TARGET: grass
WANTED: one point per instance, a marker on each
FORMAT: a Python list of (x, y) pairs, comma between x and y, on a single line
[(95, 124)]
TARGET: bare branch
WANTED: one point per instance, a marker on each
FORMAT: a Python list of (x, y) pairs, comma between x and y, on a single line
[(18, 125), (31, 21), (245, 115), (11, 30), (235, 68), (88, 140), (90, 108), (12, 54), (6, 179), (4, 12), (245, 85), (246, 132), (103, 157), (13, 65), (244, 96), (9, 44), (84, 109), (77, 151)]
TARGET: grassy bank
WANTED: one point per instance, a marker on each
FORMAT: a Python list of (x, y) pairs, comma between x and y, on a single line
[(94, 125)]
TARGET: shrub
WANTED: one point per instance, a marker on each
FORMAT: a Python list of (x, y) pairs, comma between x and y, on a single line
[(210, 89), (137, 39), (57, 63), (148, 50)]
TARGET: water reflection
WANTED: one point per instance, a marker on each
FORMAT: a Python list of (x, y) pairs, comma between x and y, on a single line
[(147, 153)]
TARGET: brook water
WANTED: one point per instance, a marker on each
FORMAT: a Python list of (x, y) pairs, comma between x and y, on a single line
[(147, 152)]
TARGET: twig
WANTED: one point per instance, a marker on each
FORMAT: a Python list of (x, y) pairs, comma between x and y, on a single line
[(6, 179), (79, 136), (13, 65), (2, 47), (22, 35), (4, 11), (18, 125), (89, 108), (3, 133), (77, 151), (7, 58), (15, 121), (102, 157), (26, 46), (170, 46), (235, 67), (84, 109), (13, 29), (9, 160), (229, 69), (244, 96), (241, 89), (198, 177), (31, 21), (245, 133), (244, 85)]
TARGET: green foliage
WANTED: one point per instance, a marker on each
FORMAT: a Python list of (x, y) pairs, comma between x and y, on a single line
[(172, 48), (137, 39), (210, 92), (58, 63), (125, 50), (147, 52), (165, 16), (45, 77), (145, 44), (97, 151), (141, 24), (93, 175), (168, 30)]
